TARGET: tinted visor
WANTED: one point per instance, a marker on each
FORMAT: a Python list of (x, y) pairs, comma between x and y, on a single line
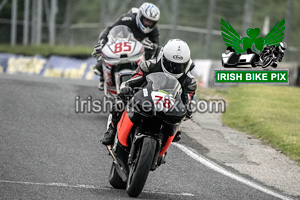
[(283, 48), (147, 22), (174, 68)]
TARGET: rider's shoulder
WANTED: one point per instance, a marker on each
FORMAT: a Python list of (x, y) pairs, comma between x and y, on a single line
[(127, 17), (133, 10), (190, 75)]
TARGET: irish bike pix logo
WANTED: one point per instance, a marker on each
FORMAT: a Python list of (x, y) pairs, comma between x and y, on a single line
[(245, 53), (258, 51)]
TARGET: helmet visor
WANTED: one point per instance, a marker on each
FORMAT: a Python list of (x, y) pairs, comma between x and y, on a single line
[(282, 48), (147, 22), (174, 68)]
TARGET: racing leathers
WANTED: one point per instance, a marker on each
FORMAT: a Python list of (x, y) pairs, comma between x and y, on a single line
[(187, 81), (129, 20), (269, 51)]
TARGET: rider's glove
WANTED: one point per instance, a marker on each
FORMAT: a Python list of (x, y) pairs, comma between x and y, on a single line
[(98, 48), (189, 111), (126, 91), (189, 116), (149, 45)]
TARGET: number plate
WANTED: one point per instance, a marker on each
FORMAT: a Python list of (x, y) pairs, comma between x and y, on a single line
[(162, 101), (122, 47)]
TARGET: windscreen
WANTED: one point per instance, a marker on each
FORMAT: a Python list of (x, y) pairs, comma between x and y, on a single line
[(119, 32), (164, 82)]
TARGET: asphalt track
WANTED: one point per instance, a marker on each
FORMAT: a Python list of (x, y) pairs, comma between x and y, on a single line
[(48, 151)]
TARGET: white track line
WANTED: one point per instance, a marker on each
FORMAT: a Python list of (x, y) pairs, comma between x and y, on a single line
[(169, 193), (56, 185), (87, 187), (217, 168)]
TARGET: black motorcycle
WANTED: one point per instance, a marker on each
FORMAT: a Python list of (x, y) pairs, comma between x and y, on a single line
[(269, 56), (146, 129)]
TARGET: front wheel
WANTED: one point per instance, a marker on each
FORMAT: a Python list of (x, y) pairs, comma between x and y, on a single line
[(267, 62), (140, 167)]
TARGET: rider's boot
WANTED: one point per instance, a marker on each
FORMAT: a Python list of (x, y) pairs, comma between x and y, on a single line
[(101, 84), (109, 135), (177, 137), (98, 71)]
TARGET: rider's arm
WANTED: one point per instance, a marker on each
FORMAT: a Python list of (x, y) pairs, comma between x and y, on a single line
[(189, 87), (154, 36), (120, 21), (123, 20), (189, 90), (139, 77)]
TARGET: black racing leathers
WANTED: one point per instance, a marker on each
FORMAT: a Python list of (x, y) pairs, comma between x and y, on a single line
[(129, 20), (187, 81)]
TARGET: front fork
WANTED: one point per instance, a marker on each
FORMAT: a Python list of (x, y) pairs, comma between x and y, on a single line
[(157, 160), (137, 141)]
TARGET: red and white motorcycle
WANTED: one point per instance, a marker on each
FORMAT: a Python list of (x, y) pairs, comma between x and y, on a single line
[(120, 58)]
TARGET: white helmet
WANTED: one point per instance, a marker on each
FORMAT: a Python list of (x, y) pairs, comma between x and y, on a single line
[(176, 59), (147, 17)]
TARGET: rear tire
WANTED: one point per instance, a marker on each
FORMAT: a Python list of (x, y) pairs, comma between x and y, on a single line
[(114, 179), (140, 168), (253, 64)]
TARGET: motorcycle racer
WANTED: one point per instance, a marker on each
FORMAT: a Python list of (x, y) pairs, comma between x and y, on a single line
[(142, 23), (278, 52), (173, 59)]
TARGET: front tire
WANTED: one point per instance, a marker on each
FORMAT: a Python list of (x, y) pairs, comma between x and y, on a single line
[(140, 168), (267, 62), (114, 179)]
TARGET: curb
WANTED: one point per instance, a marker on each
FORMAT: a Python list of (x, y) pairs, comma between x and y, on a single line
[(244, 153)]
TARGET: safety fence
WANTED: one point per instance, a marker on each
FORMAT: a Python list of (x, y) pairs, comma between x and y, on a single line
[(54, 66), (65, 67)]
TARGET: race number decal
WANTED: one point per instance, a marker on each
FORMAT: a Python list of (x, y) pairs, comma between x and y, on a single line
[(122, 47), (162, 101)]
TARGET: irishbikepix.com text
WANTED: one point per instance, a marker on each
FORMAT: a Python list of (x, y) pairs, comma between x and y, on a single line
[(104, 105)]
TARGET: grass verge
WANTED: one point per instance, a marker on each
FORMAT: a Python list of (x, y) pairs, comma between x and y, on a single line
[(47, 50), (271, 113)]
